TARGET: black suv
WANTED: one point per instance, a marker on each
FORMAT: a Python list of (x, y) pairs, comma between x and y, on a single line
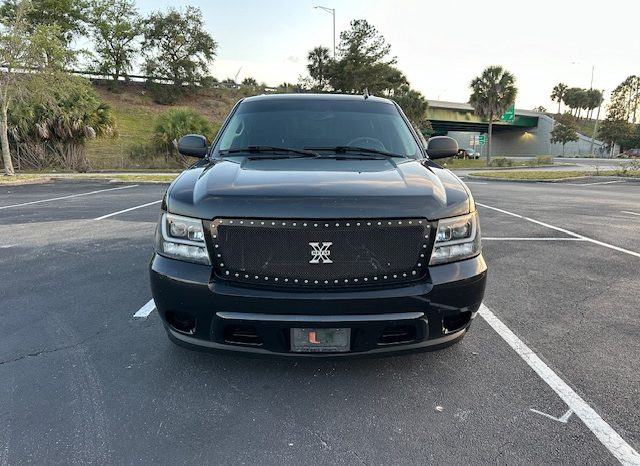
[(317, 225)]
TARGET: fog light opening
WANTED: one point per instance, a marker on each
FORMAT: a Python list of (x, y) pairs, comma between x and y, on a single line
[(181, 322)]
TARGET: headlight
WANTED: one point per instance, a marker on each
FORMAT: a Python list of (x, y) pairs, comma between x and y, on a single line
[(181, 238), (456, 239)]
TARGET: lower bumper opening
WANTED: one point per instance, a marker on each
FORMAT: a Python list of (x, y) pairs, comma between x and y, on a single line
[(397, 335), (455, 322), (242, 335), (181, 322)]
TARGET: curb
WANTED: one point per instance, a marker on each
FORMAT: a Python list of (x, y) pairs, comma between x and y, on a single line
[(23, 182)]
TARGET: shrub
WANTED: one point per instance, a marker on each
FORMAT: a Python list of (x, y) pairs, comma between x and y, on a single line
[(501, 162), (163, 94), (174, 124), (543, 160)]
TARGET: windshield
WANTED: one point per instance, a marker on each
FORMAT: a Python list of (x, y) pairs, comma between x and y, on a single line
[(321, 123)]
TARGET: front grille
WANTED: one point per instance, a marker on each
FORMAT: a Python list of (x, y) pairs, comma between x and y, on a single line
[(320, 253)]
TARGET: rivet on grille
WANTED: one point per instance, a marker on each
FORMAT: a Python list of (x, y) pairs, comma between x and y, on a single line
[(284, 224), (241, 222), (337, 224), (261, 223), (246, 276), (237, 274), (385, 277), (368, 224), (366, 279), (219, 255), (315, 224), (316, 282), (226, 273), (335, 281), (424, 246), (230, 221), (426, 236), (399, 223), (286, 280), (295, 224), (326, 281), (216, 245), (326, 224), (379, 223), (395, 276), (251, 223), (410, 222), (375, 278), (419, 264), (257, 277), (304, 224), (295, 280), (306, 281), (420, 221), (346, 281), (404, 274), (355, 280), (266, 278), (413, 272), (421, 255), (275, 279), (389, 223), (214, 236), (273, 223), (221, 264), (348, 224)]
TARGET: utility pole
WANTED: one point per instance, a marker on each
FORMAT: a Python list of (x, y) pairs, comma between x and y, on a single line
[(595, 126), (331, 11)]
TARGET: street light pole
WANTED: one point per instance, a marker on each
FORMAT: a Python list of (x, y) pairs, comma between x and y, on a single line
[(331, 11)]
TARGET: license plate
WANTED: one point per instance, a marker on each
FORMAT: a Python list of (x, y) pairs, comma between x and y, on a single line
[(320, 340)]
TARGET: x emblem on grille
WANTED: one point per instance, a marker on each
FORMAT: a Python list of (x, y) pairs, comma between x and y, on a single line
[(320, 253)]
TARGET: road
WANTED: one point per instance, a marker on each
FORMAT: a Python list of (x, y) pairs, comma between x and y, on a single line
[(84, 382)]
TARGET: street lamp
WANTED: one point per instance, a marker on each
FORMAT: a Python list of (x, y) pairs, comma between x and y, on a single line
[(332, 11)]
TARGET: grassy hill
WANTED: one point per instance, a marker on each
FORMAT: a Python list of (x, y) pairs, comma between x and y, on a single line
[(135, 115)]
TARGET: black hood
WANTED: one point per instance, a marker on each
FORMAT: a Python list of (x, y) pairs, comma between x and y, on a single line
[(318, 188)]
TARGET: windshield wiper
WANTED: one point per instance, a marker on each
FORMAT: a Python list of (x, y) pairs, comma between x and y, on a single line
[(366, 150), (270, 150)]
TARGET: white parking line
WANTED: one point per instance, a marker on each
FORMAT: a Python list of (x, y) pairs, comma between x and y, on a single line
[(630, 213), (68, 197), (600, 428), (127, 210), (145, 310), (568, 232), (532, 239), (598, 182)]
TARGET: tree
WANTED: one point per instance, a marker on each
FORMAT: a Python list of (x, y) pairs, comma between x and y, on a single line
[(114, 26), (174, 124), (23, 47), (249, 81), (557, 94), (178, 47), (540, 109), (616, 131), (625, 101), (593, 100), (54, 116), (414, 105), (318, 66), (67, 15), (364, 63), (493, 92), (564, 131)]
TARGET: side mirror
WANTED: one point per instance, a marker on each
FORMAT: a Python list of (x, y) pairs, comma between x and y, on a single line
[(193, 145), (439, 147)]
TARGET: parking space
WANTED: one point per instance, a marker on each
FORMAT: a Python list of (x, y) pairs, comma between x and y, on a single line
[(82, 380)]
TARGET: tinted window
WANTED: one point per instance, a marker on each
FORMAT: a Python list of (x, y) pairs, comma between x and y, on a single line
[(319, 123)]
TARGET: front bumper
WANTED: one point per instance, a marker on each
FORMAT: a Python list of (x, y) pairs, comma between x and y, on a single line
[(200, 312)]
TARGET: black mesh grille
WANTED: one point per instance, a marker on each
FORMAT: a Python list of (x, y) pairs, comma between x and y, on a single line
[(320, 253)]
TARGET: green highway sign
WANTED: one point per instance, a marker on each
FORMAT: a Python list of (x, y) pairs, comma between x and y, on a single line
[(510, 114), (481, 139)]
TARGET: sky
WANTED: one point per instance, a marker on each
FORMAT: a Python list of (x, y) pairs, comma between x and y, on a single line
[(440, 46)]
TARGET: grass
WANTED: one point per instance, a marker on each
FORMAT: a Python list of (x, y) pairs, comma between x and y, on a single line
[(142, 178), (19, 179), (453, 164), (553, 174)]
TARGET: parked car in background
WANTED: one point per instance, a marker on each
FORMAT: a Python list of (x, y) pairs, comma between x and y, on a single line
[(467, 154), (630, 153)]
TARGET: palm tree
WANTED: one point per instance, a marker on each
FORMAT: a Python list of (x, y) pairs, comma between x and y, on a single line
[(319, 59), (492, 94), (557, 94)]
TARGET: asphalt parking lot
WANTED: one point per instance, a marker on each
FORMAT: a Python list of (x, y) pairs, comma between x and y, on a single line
[(549, 373)]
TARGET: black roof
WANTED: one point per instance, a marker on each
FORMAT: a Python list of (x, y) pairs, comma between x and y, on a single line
[(302, 96)]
